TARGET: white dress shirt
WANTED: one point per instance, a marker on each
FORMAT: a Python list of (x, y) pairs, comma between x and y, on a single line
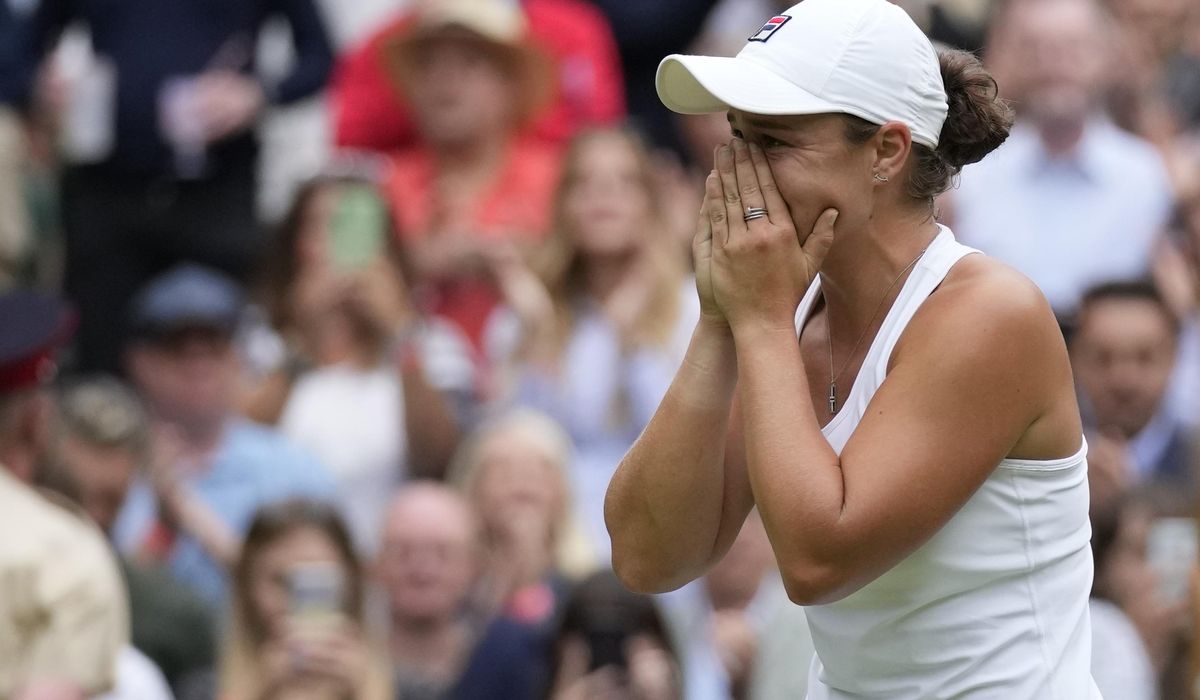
[(1070, 221)]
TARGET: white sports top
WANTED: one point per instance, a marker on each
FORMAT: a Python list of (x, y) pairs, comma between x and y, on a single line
[(995, 605)]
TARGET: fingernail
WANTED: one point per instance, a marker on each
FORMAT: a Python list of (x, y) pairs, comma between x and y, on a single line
[(835, 216)]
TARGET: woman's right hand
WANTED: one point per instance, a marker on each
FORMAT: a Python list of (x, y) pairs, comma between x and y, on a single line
[(523, 292), (336, 656), (317, 291), (331, 663)]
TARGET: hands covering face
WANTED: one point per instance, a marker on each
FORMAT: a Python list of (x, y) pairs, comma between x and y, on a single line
[(752, 271)]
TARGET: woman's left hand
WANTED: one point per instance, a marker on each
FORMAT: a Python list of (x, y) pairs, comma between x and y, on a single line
[(760, 268)]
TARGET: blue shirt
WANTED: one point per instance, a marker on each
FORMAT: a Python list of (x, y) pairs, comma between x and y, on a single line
[(1067, 222), (253, 467)]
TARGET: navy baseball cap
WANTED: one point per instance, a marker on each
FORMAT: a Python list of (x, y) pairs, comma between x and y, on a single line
[(33, 327), (186, 296)]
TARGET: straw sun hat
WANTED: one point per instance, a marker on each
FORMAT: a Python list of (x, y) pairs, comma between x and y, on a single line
[(499, 24)]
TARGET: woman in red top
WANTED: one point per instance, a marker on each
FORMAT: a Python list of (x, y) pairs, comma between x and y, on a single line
[(473, 80)]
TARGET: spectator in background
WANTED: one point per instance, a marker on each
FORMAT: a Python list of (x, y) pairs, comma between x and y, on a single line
[(1069, 199), (14, 217), (593, 336), (473, 78), (1123, 353), (211, 470), (370, 113), (370, 386), (1151, 592), (430, 561), (170, 173), (1159, 72), (513, 469), (297, 623), (1120, 664), (613, 644), (646, 31), (102, 442), (721, 619), (63, 615)]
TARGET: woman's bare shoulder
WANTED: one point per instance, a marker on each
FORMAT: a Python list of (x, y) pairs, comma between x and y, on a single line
[(988, 320), (980, 289), (985, 308)]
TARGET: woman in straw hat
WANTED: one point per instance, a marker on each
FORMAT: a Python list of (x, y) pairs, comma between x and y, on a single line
[(917, 455)]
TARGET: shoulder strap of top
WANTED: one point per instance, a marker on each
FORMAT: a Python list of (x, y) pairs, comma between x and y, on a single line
[(935, 264)]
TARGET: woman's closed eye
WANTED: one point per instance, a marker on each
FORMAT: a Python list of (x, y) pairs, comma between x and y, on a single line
[(770, 142)]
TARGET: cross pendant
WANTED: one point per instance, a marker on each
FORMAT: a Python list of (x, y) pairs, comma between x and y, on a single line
[(832, 398)]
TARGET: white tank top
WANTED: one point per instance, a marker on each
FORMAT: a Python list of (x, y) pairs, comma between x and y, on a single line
[(993, 606)]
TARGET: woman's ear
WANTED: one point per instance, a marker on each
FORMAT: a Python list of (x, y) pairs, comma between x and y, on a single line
[(893, 144)]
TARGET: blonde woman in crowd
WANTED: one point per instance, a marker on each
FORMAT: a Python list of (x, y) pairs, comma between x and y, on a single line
[(595, 327), (296, 629), (513, 470)]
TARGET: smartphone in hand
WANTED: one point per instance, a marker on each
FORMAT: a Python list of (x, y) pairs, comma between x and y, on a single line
[(358, 228)]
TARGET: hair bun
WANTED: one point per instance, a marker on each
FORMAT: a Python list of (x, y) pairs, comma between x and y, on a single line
[(977, 120)]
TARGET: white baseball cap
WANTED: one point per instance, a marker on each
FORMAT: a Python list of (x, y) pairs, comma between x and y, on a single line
[(861, 57)]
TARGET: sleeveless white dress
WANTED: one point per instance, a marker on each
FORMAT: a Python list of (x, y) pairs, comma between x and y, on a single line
[(995, 605)]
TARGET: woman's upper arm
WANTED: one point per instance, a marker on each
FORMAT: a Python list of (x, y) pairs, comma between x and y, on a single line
[(969, 379)]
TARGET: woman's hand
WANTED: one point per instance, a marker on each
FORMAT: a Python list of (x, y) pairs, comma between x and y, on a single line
[(317, 292), (652, 672), (760, 268), (523, 292), (379, 295), (529, 299), (337, 657), (331, 662)]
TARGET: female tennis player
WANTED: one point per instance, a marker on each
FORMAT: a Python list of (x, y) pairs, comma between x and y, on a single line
[(917, 456)]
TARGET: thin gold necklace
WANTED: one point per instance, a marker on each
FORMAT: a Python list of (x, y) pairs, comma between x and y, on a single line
[(833, 377)]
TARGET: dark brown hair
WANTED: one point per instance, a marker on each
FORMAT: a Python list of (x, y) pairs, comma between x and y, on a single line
[(977, 122), (1129, 290)]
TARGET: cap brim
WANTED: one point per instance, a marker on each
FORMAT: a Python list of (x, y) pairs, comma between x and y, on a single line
[(704, 84)]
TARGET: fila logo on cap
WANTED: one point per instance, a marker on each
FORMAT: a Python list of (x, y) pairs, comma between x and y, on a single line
[(770, 28)]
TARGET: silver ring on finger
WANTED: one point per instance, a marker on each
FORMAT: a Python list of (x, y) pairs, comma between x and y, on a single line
[(753, 213)]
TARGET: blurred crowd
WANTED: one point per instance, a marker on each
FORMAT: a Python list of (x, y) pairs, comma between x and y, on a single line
[(355, 307)]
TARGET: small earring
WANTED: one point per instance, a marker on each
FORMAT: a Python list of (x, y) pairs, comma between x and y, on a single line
[(880, 178)]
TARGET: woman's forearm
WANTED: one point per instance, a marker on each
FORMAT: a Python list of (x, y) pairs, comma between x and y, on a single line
[(433, 430), (192, 516), (673, 503), (795, 476)]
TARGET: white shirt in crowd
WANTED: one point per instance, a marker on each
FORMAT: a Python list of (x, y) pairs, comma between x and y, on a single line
[(137, 679), (352, 420), (1120, 664), (1067, 222)]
